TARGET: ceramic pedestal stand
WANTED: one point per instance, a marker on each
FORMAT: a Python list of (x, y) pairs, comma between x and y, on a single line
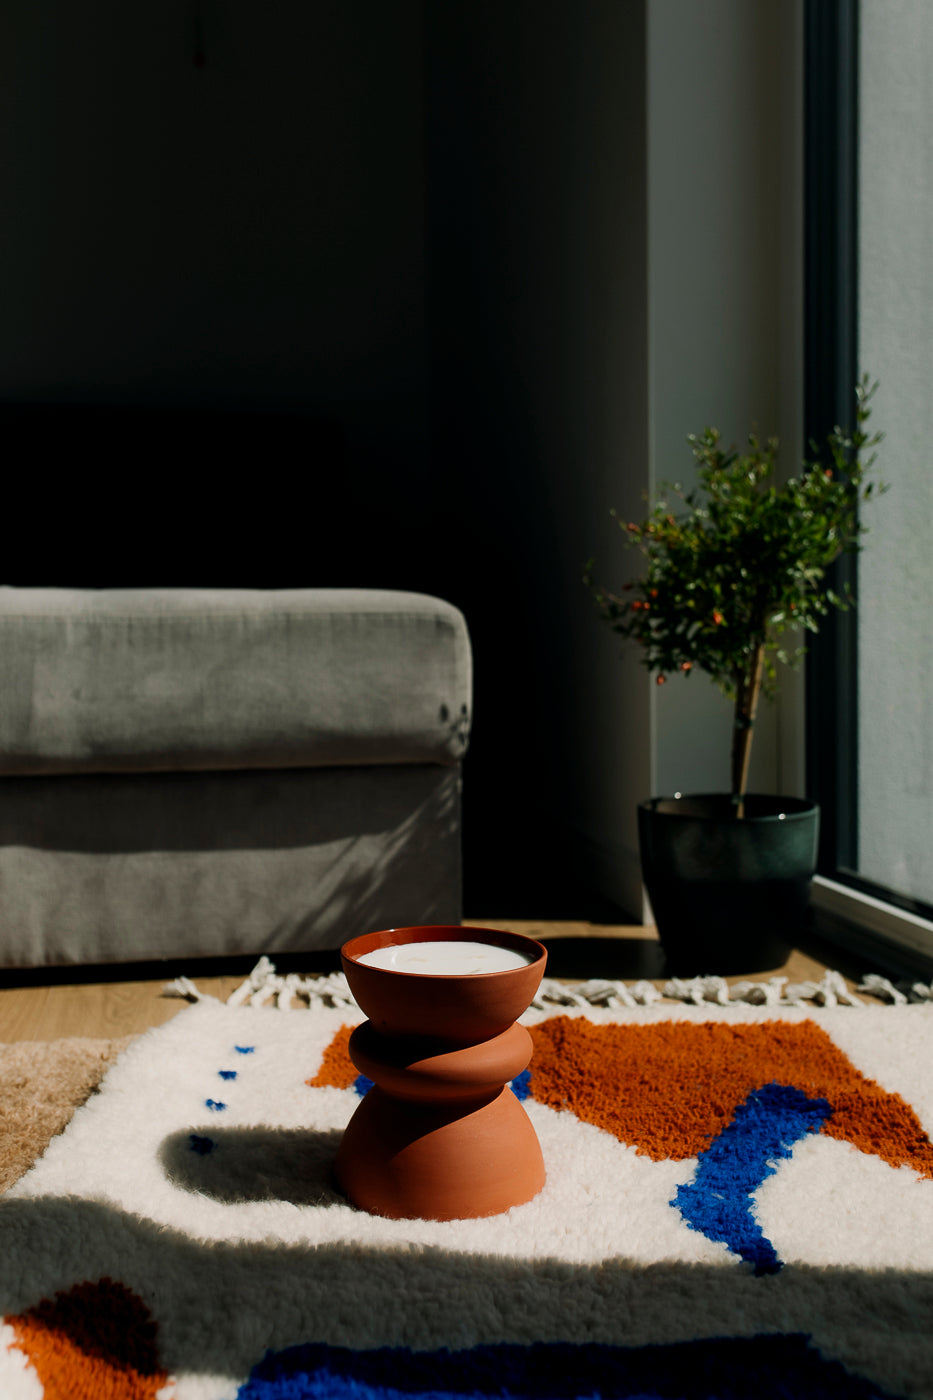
[(441, 1136)]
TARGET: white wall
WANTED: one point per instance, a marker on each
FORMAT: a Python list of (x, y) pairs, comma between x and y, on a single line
[(725, 305), (616, 262)]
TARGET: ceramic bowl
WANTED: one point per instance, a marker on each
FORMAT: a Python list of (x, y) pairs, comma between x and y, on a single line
[(464, 1008)]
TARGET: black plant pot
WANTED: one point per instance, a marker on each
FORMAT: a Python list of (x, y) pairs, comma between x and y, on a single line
[(729, 894)]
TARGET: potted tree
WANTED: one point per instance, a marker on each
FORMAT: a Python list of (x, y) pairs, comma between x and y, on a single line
[(732, 567)]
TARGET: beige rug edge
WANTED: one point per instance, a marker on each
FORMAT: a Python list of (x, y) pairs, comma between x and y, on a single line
[(42, 1083)]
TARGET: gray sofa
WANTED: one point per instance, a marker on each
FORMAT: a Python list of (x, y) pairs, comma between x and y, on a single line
[(201, 773)]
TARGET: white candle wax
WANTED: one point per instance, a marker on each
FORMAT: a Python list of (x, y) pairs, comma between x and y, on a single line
[(451, 958)]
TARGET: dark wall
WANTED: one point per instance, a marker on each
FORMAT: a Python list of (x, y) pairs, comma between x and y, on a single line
[(330, 293), (215, 208), (538, 335)]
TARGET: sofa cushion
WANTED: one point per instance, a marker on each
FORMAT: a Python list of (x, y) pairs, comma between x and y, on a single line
[(135, 680)]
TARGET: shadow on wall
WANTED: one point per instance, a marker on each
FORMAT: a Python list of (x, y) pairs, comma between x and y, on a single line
[(109, 496), (112, 496)]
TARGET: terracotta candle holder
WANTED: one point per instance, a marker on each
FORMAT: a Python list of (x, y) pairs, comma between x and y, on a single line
[(440, 1136)]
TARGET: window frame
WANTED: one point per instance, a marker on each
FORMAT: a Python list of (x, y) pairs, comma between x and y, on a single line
[(895, 929), (830, 373)]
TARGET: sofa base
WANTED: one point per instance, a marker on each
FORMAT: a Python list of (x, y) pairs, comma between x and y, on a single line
[(114, 868)]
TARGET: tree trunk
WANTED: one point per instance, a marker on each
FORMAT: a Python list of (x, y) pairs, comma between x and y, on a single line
[(748, 689)]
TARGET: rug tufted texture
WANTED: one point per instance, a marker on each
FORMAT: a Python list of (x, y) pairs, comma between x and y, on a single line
[(739, 1203)]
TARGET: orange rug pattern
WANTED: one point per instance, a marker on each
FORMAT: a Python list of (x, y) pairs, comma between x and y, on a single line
[(95, 1342), (337, 1069), (668, 1088)]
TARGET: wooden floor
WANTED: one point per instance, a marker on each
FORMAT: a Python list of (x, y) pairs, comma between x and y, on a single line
[(77, 1004)]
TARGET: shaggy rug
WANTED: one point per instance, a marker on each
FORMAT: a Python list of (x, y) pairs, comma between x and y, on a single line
[(739, 1203), (41, 1085)]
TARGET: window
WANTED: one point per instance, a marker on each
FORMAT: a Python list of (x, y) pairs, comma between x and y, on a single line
[(869, 279)]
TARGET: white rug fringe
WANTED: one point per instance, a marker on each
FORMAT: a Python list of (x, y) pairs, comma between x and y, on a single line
[(883, 988), (265, 987), (184, 987)]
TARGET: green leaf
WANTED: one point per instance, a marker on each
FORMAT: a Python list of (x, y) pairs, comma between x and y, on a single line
[(739, 545)]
